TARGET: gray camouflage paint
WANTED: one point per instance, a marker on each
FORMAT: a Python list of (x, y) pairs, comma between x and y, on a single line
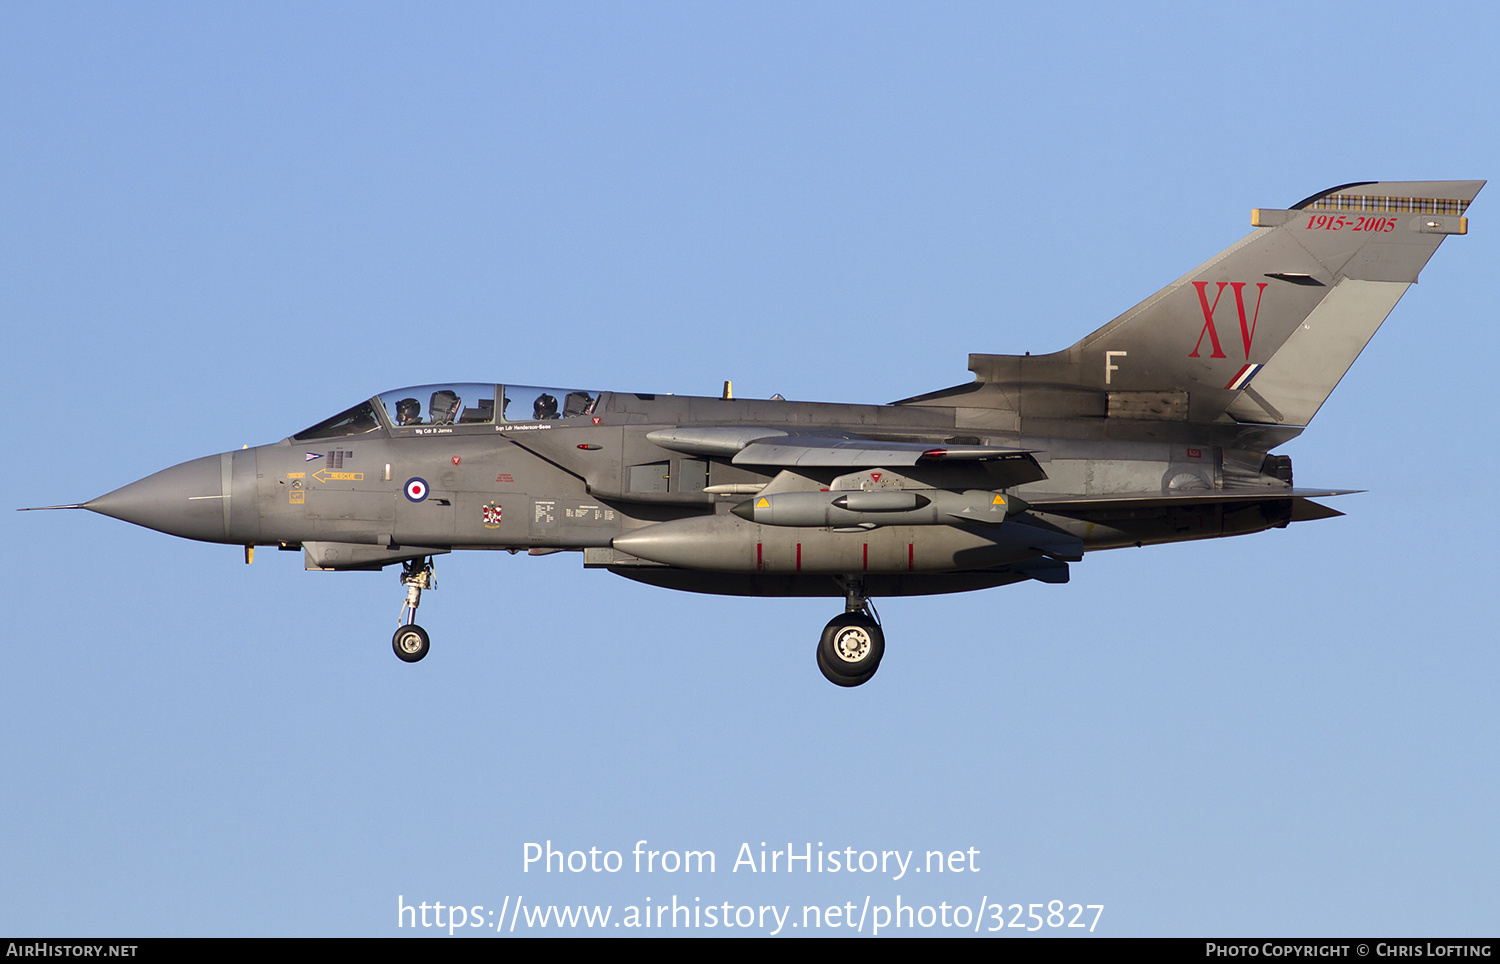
[(1156, 428)]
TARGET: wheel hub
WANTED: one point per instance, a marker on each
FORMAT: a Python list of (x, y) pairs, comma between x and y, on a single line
[(851, 644)]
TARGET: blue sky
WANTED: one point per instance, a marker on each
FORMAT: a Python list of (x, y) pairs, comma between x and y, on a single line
[(223, 223)]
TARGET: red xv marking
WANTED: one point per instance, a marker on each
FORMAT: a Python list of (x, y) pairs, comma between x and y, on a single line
[(1208, 318), (1247, 325), (1248, 334)]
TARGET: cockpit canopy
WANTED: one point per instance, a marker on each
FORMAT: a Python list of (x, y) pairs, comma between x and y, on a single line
[(458, 404), (455, 404)]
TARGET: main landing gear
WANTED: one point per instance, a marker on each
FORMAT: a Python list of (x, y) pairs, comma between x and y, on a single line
[(852, 645), (411, 641)]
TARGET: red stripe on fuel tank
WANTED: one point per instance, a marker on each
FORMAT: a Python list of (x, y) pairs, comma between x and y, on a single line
[(911, 557), (758, 564), (799, 557), (867, 557)]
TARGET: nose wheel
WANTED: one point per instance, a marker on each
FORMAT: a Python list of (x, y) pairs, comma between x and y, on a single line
[(411, 641), (852, 645)]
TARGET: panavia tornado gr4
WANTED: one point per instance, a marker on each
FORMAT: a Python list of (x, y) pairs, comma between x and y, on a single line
[(1159, 427)]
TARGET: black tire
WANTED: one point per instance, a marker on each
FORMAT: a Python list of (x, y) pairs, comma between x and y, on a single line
[(410, 643), (851, 646), (837, 680)]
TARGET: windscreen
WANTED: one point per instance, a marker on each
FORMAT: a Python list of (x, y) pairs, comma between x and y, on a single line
[(355, 421)]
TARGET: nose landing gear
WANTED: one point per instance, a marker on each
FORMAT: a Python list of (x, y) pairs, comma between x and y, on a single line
[(411, 641), (852, 645)]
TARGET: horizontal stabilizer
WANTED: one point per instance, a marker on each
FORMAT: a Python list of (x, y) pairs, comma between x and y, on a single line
[(1069, 504), (1306, 510)]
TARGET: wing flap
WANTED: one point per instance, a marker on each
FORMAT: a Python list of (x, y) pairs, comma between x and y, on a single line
[(762, 445), (813, 451)]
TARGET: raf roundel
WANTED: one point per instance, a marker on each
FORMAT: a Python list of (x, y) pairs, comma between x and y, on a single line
[(416, 489)]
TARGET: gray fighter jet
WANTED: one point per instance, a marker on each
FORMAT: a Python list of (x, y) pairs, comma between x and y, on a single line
[(1156, 428)]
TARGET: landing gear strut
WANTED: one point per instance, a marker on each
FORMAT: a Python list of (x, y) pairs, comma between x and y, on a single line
[(411, 641), (852, 645)]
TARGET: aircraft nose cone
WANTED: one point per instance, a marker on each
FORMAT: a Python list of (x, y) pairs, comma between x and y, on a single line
[(188, 500)]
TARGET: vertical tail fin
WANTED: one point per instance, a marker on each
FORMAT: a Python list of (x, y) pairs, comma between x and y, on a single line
[(1265, 329)]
